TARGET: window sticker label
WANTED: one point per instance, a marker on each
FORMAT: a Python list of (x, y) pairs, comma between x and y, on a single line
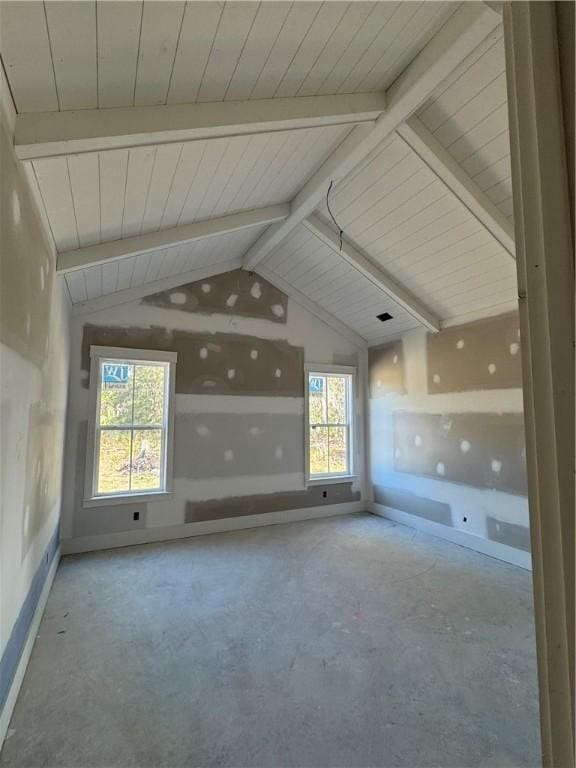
[(115, 376), (316, 385)]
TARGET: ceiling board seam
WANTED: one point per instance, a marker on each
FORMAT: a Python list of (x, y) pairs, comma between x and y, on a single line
[(342, 88), (137, 62), (438, 95), (184, 6), (10, 91), (477, 149), (396, 38), (442, 248), (145, 206), (387, 193), (377, 225), (241, 156), (192, 180), (44, 206), (125, 190), (470, 129), (51, 54), (252, 167), (364, 23), (270, 51), (321, 51), (404, 222), (73, 198), (367, 189), (97, 56), (242, 50), (300, 44), (176, 166), (420, 229), (469, 101), (201, 81), (424, 28)]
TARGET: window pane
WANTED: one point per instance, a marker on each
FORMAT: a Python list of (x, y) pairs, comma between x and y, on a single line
[(116, 394), (317, 399), (337, 401), (114, 461), (146, 456), (149, 394), (318, 450), (337, 449)]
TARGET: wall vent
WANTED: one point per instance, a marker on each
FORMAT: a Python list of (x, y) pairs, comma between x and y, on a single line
[(384, 316)]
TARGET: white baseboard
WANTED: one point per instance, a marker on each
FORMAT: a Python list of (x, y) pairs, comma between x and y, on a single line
[(186, 530), (6, 714), (485, 546)]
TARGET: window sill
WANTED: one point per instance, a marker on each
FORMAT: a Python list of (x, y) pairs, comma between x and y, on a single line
[(132, 498), (329, 479)]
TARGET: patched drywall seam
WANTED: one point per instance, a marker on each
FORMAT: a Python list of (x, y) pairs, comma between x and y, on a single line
[(480, 355), (218, 363), (513, 535), (232, 293), (446, 427), (386, 367), (314, 496), (480, 449), (229, 444), (437, 511)]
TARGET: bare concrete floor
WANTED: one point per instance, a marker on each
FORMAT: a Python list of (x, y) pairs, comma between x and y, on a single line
[(347, 641)]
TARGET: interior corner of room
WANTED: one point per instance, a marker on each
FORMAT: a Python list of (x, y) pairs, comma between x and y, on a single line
[(287, 383)]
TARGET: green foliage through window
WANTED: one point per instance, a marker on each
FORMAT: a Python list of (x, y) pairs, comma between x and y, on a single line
[(329, 424), (131, 430)]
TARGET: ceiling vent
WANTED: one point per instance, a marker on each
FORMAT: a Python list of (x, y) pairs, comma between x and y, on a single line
[(384, 316)]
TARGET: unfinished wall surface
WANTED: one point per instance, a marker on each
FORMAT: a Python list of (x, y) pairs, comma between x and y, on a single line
[(239, 405), (447, 433), (34, 347)]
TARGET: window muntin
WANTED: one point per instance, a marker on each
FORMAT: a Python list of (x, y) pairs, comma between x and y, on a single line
[(132, 426), (329, 397)]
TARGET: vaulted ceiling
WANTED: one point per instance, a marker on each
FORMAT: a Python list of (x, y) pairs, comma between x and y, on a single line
[(168, 140)]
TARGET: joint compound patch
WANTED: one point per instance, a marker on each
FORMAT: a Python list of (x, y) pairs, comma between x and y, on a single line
[(235, 292), (485, 450), (386, 369), (315, 496), (481, 355), (218, 363)]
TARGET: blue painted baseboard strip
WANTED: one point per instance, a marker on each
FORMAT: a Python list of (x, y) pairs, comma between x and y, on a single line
[(17, 640)]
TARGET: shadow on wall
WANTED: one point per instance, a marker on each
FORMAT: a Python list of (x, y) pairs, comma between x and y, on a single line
[(34, 392), (425, 395)]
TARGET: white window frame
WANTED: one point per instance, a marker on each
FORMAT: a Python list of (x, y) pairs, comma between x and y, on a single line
[(329, 370), (126, 355)]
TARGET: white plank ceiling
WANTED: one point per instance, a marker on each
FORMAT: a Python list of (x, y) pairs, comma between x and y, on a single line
[(135, 271), (404, 219), (109, 54), (312, 268), (393, 208), (469, 117), (98, 197)]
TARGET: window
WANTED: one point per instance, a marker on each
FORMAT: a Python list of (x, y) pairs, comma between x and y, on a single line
[(329, 422), (130, 439)]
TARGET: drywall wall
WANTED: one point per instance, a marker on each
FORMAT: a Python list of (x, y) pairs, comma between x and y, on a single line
[(239, 406), (34, 347), (447, 434)]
